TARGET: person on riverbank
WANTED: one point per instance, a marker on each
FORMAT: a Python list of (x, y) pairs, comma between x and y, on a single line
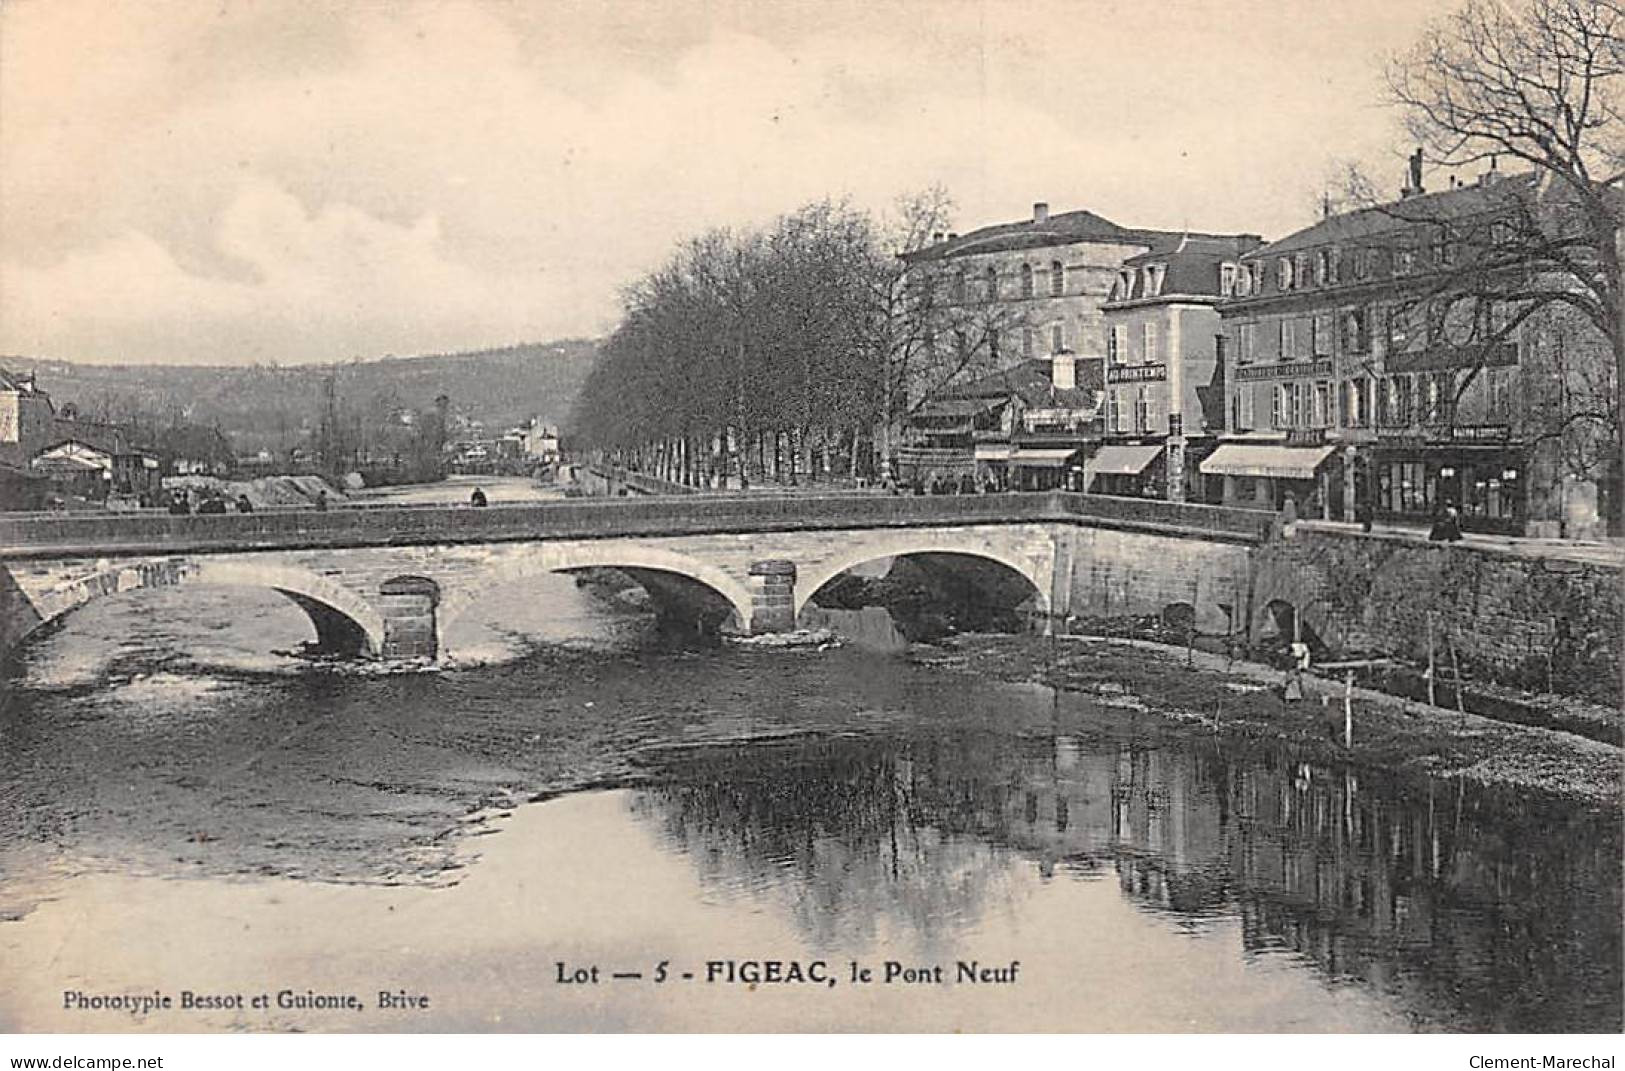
[(1292, 691), (477, 499)]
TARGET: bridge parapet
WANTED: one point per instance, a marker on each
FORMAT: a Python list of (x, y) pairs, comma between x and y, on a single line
[(24, 536)]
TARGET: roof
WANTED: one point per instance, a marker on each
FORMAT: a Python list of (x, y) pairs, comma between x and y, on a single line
[(1192, 263), (1060, 228), (1462, 202), (17, 381), (1031, 382)]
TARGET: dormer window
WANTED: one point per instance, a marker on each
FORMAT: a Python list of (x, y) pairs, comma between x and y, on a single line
[(1283, 270), (1126, 281), (1227, 280), (1026, 280), (1332, 260), (1322, 268)]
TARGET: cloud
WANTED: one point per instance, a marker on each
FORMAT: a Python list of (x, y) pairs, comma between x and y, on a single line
[(270, 180)]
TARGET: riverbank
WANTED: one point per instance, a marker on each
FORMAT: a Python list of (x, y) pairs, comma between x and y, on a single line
[(1200, 693)]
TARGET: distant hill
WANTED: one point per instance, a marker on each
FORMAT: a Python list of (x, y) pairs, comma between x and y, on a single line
[(269, 406)]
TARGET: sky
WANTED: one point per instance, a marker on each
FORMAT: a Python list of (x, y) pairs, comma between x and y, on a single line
[(288, 181)]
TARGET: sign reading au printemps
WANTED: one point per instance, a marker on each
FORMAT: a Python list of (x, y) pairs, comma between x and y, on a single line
[(1136, 373)]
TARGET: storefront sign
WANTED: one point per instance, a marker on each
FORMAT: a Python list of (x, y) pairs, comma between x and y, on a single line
[(1321, 368), (1136, 373), (1444, 358), (1306, 436)]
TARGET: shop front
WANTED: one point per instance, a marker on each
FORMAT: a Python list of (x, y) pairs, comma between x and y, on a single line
[(1264, 475), (1046, 468), (1485, 482), (1137, 470)]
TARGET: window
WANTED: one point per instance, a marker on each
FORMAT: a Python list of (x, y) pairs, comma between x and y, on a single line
[(1444, 248), (1227, 280), (1404, 261), (1244, 340), (1142, 411), (1355, 336), (1277, 406), (1288, 342), (1322, 268), (1323, 334), (1247, 415), (959, 285), (1026, 342), (1399, 327), (990, 279), (1332, 265), (1057, 338), (1499, 389), (1362, 263), (1057, 278), (1300, 270), (1125, 285), (1114, 410), (1283, 274), (1258, 277), (1117, 344), (1322, 405), (1148, 342), (1026, 280)]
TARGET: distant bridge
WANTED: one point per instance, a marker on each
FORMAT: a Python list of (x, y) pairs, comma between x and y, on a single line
[(386, 582)]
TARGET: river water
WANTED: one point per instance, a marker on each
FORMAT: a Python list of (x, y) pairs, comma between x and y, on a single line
[(185, 809)]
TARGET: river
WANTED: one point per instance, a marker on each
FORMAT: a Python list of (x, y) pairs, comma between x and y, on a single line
[(186, 805)]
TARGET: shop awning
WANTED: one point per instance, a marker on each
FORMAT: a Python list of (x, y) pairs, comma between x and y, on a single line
[(1265, 459), (994, 451), (1043, 457), (1122, 460)]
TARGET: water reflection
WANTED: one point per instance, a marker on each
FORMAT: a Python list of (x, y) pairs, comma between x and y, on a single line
[(1461, 911)]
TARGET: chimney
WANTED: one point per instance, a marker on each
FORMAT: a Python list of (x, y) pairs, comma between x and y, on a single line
[(1040, 211), (1413, 186), (936, 237), (953, 235), (1063, 370)]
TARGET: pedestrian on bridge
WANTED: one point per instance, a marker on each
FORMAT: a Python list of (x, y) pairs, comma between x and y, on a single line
[(477, 499)]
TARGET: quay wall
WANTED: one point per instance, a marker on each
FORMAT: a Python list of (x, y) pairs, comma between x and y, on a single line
[(1544, 624)]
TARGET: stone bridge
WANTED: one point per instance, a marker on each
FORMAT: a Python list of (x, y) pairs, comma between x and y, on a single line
[(386, 582)]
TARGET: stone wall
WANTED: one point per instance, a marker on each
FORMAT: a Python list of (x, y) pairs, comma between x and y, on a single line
[(1531, 622), (1108, 573)]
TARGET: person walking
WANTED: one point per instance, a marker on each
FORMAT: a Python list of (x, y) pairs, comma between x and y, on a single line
[(244, 505), (1447, 529), (477, 499)]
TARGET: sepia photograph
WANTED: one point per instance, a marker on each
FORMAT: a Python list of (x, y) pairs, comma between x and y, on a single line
[(811, 516)]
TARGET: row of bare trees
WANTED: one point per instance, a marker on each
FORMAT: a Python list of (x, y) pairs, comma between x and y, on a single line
[(790, 353)]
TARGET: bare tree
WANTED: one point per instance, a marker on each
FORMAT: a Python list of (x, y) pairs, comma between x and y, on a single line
[(1536, 82)]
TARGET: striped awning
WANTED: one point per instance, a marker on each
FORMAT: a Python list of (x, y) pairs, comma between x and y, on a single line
[(1043, 457), (1265, 459), (1122, 460)]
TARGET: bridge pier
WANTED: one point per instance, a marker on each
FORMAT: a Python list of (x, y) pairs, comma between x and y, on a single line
[(772, 596), (407, 605)]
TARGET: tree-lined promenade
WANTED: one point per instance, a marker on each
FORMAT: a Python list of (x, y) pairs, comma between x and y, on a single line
[(788, 354)]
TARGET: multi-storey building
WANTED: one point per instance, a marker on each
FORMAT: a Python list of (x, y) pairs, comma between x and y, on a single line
[(1030, 290), (1369, 371), (1164, 390)]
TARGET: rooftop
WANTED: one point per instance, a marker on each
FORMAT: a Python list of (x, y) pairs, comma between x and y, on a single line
[(1042, 230)]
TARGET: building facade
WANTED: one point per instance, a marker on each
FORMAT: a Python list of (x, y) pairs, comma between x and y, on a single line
[(1035, 291), (1164, 404), (1370, 373)]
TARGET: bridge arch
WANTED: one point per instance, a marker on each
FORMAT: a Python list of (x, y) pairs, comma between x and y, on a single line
[(542, 558), (333, 608), (1037, 569)]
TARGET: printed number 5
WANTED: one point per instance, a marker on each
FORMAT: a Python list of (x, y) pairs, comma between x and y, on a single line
[(660, 970)]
